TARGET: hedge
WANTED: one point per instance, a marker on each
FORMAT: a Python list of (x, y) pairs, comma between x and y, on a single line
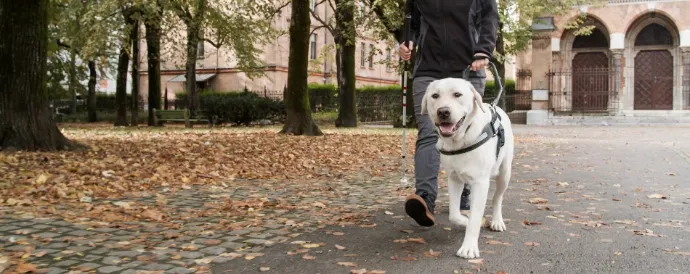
[(237, 107)]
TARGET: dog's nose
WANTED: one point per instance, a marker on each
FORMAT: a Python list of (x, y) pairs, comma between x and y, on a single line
[(443, 113)]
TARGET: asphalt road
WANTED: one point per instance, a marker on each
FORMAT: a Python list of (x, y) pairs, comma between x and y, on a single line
[(599, 217)]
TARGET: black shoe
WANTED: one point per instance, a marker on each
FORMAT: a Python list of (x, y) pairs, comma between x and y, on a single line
[(416, 208), (465, 199)]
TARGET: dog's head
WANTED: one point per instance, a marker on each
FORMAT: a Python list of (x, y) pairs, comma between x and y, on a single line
[(449, 103)]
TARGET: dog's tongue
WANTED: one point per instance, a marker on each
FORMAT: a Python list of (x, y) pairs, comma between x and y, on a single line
[(446, 128)]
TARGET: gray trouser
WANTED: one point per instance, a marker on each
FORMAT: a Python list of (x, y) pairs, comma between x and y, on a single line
[(427, 159)]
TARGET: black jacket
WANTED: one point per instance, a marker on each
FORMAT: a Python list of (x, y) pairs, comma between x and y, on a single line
[(448, 33)]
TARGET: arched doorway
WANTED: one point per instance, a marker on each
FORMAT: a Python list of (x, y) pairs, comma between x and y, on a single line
[(654, 68), (590, 72)]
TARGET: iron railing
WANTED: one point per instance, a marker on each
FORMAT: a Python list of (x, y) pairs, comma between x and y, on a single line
[(585, 91)]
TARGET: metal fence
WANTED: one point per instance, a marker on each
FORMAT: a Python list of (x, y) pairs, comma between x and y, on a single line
[(585, 91)]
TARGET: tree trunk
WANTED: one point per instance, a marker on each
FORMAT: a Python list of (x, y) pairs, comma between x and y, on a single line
[(134, 37), (121, 86), (190, 68), (26, 121), (299, 121), (73, 80), (345, 63), (91, 100), (153, 38)]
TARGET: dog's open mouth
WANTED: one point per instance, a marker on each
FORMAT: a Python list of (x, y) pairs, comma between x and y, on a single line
[(449, 129)]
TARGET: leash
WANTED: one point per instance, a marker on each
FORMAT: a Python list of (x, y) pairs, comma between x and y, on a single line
[(493, 128), (406, 36)]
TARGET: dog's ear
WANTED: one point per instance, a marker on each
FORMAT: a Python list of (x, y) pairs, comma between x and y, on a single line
[(430, 87), (478, 98)]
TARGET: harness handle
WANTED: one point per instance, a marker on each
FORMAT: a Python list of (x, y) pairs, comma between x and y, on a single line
[(466, 76)]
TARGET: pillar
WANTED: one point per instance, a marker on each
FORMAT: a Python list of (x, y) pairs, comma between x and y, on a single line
[(618, 66), (541, 67), (685, 74)]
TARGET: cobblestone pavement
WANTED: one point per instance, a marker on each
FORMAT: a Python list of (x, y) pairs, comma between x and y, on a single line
[(196, 234)]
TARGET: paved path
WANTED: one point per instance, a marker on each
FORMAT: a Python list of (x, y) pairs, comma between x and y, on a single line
[(591, 224), (601, 221)]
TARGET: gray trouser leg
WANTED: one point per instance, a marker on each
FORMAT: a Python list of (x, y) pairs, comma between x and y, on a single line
[(427, 159)]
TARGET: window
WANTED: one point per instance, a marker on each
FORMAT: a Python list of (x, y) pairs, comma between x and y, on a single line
[(363, 53), (312, 4), (312, 47), (388, 59), (363, 8), (200, 53), (200, 50), (371, 56)]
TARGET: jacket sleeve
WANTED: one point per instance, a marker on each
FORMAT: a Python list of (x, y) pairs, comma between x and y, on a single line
[(414, 25), (487, 27)]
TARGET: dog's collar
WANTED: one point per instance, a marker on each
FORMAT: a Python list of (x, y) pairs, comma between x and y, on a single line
[(492, 129)]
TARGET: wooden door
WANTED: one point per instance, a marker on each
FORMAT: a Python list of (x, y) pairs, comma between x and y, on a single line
[(590, 77), (654, 80)]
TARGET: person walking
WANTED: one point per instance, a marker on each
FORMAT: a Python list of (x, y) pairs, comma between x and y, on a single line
[(449, 36)]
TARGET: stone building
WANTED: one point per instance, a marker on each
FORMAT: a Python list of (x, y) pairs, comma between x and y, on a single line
[(635, 63), (217, 68)]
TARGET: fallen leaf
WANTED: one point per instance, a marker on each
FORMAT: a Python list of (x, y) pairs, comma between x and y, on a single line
[(476, 261), (124, 205), (358, 271), (528, 223), (264, 268), (311, 245), (538, 201), (190, 247), (416, 240), (676, 252), (646, 232), (26, 268), (562, 184), (389, 213), (251, 256), (656, 196), (409, 259), (432, 253), (625, 222), (203, 261), (153, 214), (232, 255), (376, 272), (350, 264), (447, 228), (494, 242), (338, 233), (308, 257), (368, 226), (532, 244), (339, 247), (618, 253), (319, 204)]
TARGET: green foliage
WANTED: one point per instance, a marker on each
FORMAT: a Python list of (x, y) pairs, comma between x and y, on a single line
[(491, 89), (323, 97), (379, 103), (240, 108)]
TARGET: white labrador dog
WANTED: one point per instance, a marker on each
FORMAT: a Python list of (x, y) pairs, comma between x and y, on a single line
[(460, 116)]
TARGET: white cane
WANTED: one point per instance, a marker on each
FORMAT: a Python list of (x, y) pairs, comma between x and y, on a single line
[(405, 35)]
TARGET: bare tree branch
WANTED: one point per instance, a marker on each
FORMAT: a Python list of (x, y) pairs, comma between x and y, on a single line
[(323, 22), (315, 29)]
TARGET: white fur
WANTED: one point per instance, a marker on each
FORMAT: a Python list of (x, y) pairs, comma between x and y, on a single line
[(476, 167)]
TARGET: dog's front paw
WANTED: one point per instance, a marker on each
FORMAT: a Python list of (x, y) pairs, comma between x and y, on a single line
[(468, 251), (459, 219), (497, 224)]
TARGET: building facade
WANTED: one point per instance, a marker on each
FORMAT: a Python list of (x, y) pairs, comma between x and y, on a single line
[(216, 68), (635, 62)]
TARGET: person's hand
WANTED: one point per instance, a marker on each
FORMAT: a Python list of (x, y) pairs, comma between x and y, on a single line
[(404, 51), (480, 63)]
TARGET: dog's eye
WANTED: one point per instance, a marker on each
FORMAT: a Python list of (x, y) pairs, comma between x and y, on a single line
[(457, 94), (435, 96)]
